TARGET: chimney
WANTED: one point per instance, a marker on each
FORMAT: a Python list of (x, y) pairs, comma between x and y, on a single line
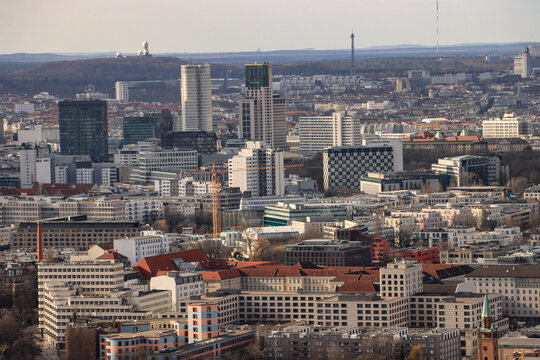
[(39, 241)]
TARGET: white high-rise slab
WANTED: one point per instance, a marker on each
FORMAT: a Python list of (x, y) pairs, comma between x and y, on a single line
[(196, 96)]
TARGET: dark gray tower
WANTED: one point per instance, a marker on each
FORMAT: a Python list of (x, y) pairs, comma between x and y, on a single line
[(352, 53)]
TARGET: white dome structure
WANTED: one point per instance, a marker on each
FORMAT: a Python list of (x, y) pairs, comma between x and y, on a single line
[(144, 51)]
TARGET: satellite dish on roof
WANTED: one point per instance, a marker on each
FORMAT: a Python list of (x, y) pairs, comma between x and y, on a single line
[(89, 89)]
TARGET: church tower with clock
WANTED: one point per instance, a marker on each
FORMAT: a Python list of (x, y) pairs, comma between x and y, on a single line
[(488, 348)]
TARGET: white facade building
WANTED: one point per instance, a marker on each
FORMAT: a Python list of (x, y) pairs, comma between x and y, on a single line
[(143, 210), (85, 176), (122, 91), (182, 285), (24, 108), (261, 182), (196, 96), (137, 248), (522, 64), (45, 171), (509, 126)]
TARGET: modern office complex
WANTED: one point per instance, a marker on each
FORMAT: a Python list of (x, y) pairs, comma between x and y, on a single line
[(462, 168), (84, 128), (268, 176), (196, 96), (328, 253), (343, 167), (140, 128), (202, 141), (262, 113)]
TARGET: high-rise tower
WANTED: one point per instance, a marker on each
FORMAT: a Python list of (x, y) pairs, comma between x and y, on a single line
[(352, 53), (196, 98), (488, 348), (84, 128), (262, 113)]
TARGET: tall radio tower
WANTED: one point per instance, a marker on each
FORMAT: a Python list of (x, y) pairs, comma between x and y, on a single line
[(352, 53), (437, 20)]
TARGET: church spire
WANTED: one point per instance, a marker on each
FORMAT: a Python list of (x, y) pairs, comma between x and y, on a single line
[(486, 309)]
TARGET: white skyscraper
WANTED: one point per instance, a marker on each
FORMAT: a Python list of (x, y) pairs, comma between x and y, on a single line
[(260, 182), (122, 91), (522, 64), (196, 98)]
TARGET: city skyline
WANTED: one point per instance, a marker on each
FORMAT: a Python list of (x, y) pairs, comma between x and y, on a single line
[(122, 26)]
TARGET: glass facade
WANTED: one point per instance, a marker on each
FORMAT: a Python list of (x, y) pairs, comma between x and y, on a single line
[(84, 128), (258, 75)]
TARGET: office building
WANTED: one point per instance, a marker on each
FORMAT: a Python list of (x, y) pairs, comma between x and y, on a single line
[(343, 167), (468, 169), (401, 279), (122, 91), (269, 177), (139, 128), (171, 160), (519, 287), (137, 248), (28, 157), (196, 96), (262, 113), (182, 285), (70, 233), (374, 183), (522, 64), (201, 141), (84, 128), (283, 213), (328, 253), (509, 126)]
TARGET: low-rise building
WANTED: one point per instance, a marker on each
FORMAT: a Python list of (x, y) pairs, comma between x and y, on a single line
[(182, 285), (328, 253)]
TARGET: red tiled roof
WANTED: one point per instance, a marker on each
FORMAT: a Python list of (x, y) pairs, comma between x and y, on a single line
[(149, 266), (242, 264), (357, 286), (111, 255), (220, 275)]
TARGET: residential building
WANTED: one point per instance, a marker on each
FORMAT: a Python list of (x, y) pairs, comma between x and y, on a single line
[(328, 253), (28, 159), (268, 176), (436, 344), (262, 113), (196, 98), (343, 167), (122, 91), (84, 128)]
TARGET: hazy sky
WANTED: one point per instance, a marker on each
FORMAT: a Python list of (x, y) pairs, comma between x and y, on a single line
[(247, 25)]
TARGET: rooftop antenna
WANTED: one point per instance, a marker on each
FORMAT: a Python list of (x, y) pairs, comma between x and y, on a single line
[(352, 52), (437, 20)]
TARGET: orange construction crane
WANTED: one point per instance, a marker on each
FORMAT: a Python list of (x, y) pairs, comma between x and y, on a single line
[(216, 189)]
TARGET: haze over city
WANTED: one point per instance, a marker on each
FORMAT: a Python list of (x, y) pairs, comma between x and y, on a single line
[(242, 25)]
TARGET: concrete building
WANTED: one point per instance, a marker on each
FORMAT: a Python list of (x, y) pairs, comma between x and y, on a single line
[(401, 279), (122, 91), (137, 248), (374, 183), (507, 127), (173, 160), (64, 233), (202, 141), (436, 344), (343, 167), (196, 98), (27, 161), (519, 287), (522, 64), (328, 253), (262, 113), (182, 285), (267, 180), (284, 213)]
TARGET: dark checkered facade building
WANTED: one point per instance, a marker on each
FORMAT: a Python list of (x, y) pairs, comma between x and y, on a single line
[(344, 166)]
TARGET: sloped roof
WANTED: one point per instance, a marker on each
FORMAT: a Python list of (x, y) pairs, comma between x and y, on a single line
[(149, 266), (111, 255), (357, 286), (446, 271)]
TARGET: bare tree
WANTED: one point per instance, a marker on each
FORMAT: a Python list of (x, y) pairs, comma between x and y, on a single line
[(415, 354), (518, 185)]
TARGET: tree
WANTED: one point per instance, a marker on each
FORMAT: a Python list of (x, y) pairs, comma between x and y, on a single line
[(265, 251), (379, 348), (463, 220), (518, 185), (214, 249), (415, 354)]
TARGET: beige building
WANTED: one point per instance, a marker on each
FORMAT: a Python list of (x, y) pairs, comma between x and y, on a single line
[(519, 287), (401, 279), (509, 126)]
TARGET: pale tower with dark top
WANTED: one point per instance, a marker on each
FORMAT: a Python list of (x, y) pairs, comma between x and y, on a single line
[(352, 53), (488, 348)]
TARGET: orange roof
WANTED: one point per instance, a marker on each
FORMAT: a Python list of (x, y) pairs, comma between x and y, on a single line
[(357, 286), (149, 266), (241, 264), (111, 255)]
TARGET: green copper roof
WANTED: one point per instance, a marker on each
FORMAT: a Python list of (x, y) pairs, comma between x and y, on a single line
[(486, 310), (438, 135), (464, 133)]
